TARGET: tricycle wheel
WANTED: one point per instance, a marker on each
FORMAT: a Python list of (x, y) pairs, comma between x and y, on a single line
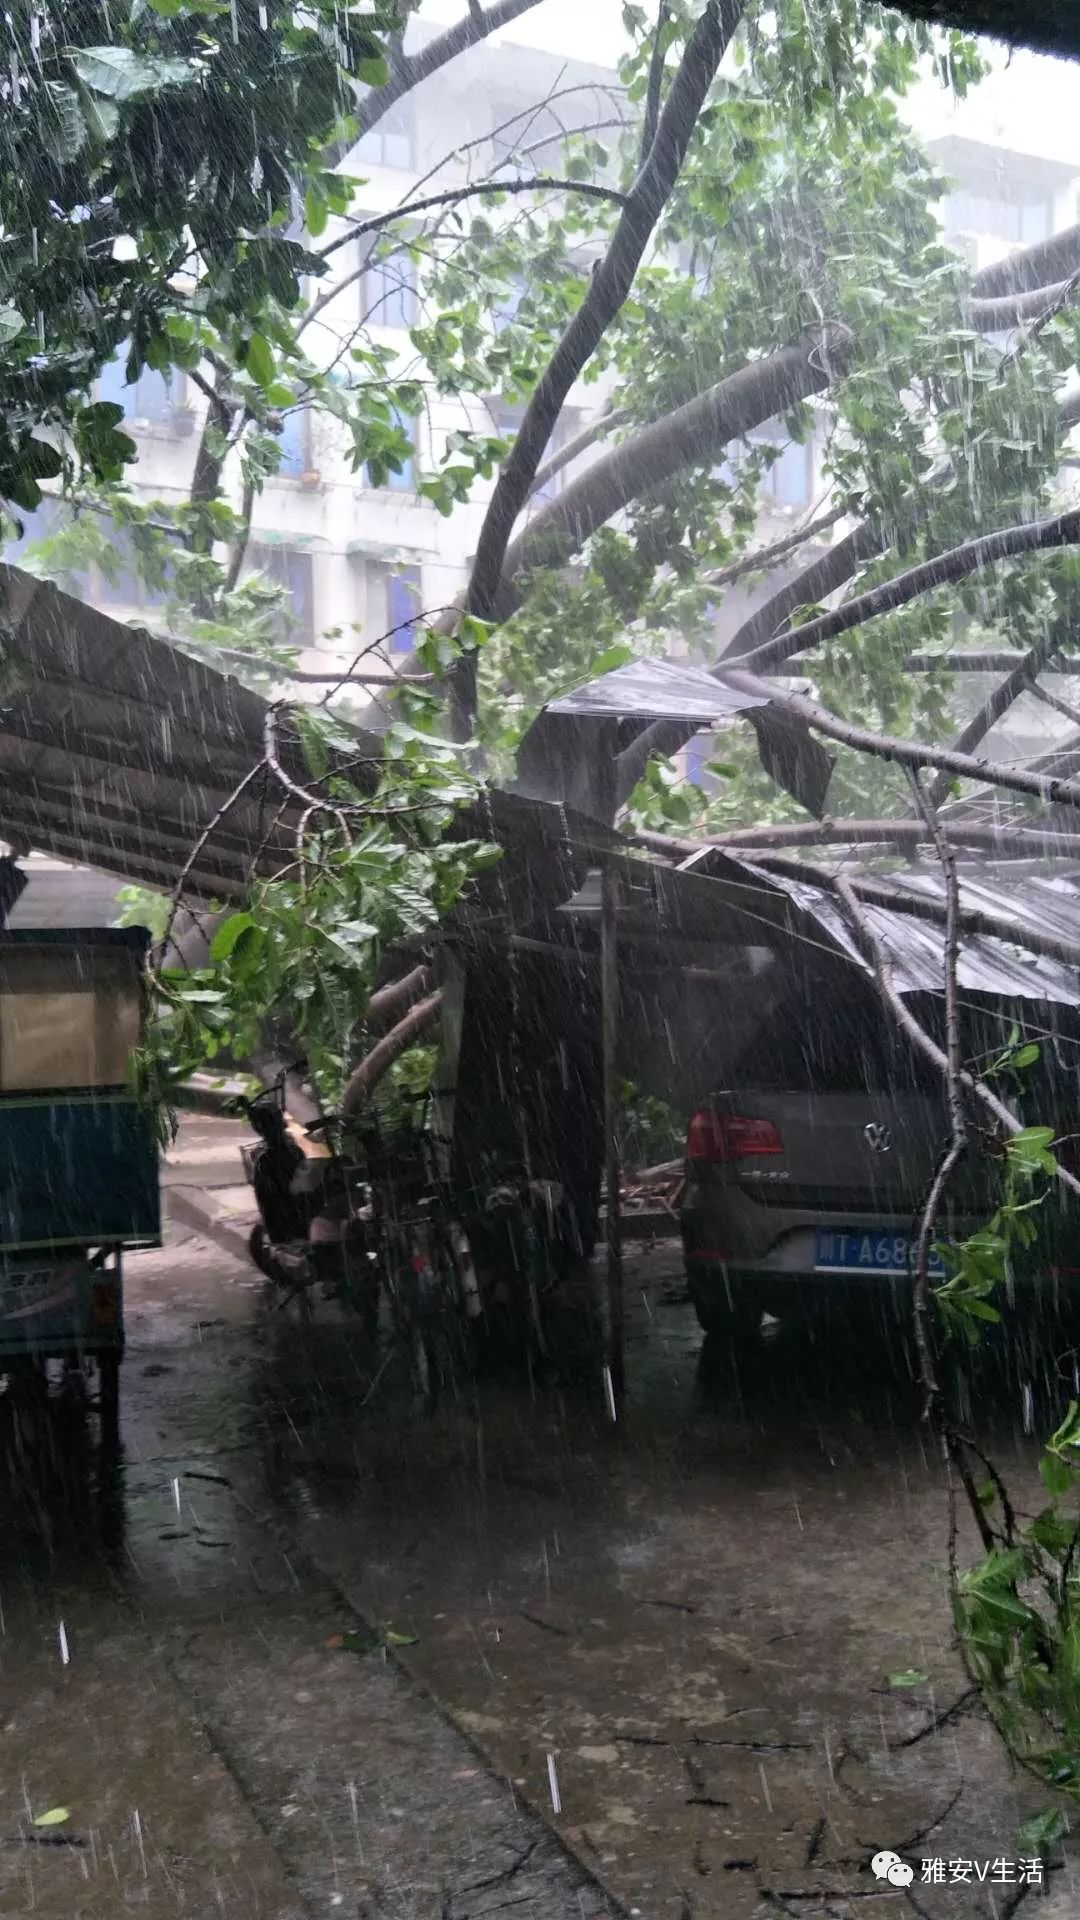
[(108, 1368)]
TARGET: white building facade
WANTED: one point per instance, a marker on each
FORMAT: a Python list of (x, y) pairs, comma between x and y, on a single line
[(367, 559)]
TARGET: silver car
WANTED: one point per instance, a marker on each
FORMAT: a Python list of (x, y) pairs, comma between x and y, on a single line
[(814, 1171)]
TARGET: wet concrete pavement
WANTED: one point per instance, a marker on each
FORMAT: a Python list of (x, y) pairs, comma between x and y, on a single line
[(327, 1655)]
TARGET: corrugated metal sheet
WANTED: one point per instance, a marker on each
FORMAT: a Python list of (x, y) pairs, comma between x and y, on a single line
[(654, 690), (916, 948), (117, 750)]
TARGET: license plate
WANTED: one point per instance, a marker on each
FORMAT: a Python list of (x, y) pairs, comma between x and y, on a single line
[(870, 1252)]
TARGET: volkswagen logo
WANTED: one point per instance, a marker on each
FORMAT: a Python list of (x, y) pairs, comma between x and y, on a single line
[(878, 1136)]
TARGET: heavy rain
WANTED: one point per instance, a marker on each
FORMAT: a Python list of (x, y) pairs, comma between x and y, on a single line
[(539, 959)]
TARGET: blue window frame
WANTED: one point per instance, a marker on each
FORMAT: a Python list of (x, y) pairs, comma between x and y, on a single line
[(295, 441), (292, 570), (388, 291), (150, 397), (402, 607)]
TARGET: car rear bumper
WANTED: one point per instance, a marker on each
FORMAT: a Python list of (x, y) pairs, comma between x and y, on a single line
[(724, 1227)]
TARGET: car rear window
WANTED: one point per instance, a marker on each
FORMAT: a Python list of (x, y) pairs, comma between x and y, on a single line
[(809, 1047)]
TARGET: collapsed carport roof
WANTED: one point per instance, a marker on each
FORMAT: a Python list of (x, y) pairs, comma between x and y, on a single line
[(714, 894), (117, 751), (721, 900)]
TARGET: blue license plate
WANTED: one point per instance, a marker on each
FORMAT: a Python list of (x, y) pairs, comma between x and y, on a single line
[(871, 1252)]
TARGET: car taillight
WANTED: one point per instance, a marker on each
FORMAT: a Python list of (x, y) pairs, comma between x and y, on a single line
[(729, 1136)]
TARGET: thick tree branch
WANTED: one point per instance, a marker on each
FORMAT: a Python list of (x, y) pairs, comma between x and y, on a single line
[(1013, 309), (695, 434), (906, 753), (994, 707), (396, 997), (611, 282), (385, 1051), (409, 70), (1023, 843), (1043, 264), (1036, 536)]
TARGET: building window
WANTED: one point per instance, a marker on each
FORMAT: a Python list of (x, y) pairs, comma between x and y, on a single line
[(1017, 221), (390, 142), (403, 480), (153, 396), (388, 291), (402, 608), (293, 570), (789, 480), (507, 418), (118, 584), (295, 442)]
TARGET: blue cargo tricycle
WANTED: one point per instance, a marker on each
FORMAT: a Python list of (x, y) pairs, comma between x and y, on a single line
[(78, 1159)]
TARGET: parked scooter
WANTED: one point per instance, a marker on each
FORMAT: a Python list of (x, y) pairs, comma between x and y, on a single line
[(314, 1210)]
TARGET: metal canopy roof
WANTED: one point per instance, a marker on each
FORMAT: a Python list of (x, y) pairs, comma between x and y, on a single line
[(655, 690), (916, 948), (117, 750), (724, 900)]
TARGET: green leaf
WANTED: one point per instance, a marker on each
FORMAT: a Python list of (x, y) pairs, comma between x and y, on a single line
[(616, 656), (910, 1677), (259, 360), (118, 74), (374, 71), (391, 1638), (316, 211), (1055, 1474), (1025, 1056), (11, 323), (63, 122), (55, 1817), (228, 934)]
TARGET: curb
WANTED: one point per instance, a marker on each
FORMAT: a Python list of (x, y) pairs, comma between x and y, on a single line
[(192, 1207)]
